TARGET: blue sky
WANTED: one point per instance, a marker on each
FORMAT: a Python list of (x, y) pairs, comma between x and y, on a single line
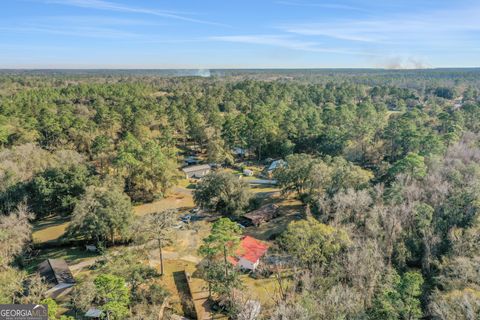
[(239, 34)]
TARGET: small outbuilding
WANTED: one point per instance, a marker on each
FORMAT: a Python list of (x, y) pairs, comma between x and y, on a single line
[(263, 214), (58, 275), (94, 313), (263, 182), (249, 253), (240, 152), (275, 165), (91, 248), (248, 172), (197, 172)]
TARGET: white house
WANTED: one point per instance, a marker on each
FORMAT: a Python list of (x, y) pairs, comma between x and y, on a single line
[(249, 253), (248, 172), (197, 172)]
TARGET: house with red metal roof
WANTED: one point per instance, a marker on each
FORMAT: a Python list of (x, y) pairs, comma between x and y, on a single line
[(249, 253)]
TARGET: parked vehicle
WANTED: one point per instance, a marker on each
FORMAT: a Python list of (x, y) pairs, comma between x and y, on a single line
[(186, 218)]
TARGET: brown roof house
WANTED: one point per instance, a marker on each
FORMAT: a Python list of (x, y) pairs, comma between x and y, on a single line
[(56, 273), (263, 214)]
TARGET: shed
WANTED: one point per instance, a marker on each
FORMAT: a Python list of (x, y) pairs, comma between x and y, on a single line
[(262, 181), (58, 275), (197, 172), (91, 248), (56, 271), (248, 172), (94, 313), (262, 214)]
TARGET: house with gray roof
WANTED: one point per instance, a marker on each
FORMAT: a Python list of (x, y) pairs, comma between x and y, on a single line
[(197, 172), (58, 275)]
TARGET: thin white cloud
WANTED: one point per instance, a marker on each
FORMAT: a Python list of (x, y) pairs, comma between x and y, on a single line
[(112, 6), (334, 6), (100, 33), (283, 41), (86, 32), (435, 26), (346, 31), (280, 41), (100, 20), (86, 26)]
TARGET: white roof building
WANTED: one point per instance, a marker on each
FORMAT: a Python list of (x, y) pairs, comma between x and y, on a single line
[(276, 164), (94, 313), (198, 171)]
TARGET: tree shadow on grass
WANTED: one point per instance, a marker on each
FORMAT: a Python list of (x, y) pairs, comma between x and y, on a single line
[(186, 299), (49, 222)]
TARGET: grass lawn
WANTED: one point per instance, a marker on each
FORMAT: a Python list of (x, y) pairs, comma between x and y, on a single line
[(179, 198), (175, 282), (185, 183), (181, 255), (266, 189), (263, 290), (49, 229), (188, 241)]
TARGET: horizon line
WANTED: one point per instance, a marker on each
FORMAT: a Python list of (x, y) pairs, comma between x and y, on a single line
[(230, 68)]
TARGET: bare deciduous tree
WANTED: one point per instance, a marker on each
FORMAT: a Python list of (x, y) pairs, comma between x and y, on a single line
[(157, 226), (15, 233)]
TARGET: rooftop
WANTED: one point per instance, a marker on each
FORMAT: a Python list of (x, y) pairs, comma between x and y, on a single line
[(265, 212), (196, 168), (56, 270), (93, 313), (250, 249), (276, 164)]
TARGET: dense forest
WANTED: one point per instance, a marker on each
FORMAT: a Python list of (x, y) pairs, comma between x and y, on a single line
[(386, 165)]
